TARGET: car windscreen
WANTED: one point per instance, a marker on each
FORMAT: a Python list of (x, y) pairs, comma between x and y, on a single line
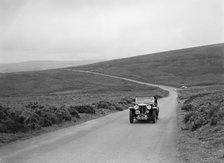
[(144, 100)]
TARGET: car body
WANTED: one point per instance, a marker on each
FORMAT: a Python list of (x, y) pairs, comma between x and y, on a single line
[(145, 108)]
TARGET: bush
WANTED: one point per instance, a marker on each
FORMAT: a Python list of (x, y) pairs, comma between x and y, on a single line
[(214, 121), (72, 110), (204, 114), (105, 105), (85, 109), (126, 101), (15, 120), (187, 117), (34, 105), (30, 120), (212, 110), (119, 107), (32, 116), (197, 124), (62, 114), (3, 127), (3, 113), (187, 107), (48, 117)]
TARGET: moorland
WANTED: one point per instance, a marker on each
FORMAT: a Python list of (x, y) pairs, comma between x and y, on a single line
[(200, 113)]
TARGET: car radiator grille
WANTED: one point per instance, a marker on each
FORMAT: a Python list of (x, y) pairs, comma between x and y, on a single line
[(142, 109)]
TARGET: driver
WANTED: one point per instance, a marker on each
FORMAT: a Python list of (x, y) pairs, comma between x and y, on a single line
[(155, 100)]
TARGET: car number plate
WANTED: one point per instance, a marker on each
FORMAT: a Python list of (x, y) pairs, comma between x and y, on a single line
[(143, 117)]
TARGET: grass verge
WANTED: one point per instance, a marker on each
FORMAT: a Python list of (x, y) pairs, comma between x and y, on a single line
[(201, 124)]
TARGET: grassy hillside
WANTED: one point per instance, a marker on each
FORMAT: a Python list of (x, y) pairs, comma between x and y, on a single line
[(40, 65), (193, 66), (62, 82)]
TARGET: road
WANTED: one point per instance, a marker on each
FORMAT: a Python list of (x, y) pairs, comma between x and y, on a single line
[(110, 139)]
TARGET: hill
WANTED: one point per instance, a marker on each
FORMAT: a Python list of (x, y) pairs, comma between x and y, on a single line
[(193, 66), (61, 87), (40, 65)]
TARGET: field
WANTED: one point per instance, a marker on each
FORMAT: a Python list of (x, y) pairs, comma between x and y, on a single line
[(36, 102), (201, 124), (190, 67)]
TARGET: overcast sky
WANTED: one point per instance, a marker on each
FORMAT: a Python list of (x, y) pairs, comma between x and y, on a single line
[(105, 29)]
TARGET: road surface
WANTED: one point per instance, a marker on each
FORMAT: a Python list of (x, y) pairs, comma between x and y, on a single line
[(110, 139)]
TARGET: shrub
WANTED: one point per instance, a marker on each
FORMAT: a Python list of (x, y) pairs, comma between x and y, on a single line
[(15, 120), (62, 114), (119, 107), (3, 113), (85, 109), (31, 120), (187, 107), (221, 113), (34, 116), (72, 110), (214, 121), (34, 105), (48, 117), (197, 124), (187, 117), (3, 127), (126, 101), (212, 110), (105, 105)]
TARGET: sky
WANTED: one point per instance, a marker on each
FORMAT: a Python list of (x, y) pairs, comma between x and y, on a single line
[(105, 29)]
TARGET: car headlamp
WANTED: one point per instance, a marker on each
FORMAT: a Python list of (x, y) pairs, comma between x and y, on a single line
[(135, 107), (149, 106)]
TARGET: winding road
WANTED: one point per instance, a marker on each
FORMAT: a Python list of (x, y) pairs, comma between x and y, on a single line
[(110, 139)]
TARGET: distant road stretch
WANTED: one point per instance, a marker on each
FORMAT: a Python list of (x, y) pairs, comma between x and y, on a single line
[(110, 139)]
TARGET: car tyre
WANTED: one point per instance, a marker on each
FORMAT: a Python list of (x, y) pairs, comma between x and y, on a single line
[(154, 116), (131, 116)]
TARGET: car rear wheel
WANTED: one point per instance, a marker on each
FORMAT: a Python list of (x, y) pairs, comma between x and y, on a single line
[(154, 116), (131, 116)]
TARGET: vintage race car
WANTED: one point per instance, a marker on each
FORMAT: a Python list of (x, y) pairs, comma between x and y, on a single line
[(145, 108)]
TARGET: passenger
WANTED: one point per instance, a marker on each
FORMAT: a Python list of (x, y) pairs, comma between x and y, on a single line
[(155, 100)]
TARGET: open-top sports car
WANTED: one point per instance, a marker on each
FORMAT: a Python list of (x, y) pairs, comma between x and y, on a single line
[(145, 108)]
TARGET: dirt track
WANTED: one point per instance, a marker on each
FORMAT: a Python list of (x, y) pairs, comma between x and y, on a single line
[(108, 139)]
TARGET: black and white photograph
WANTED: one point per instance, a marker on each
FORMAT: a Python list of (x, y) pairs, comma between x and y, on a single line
[(111, 81)]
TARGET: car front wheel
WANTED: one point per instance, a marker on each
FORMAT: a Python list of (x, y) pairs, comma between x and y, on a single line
[(154, 116), (131, 116)]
